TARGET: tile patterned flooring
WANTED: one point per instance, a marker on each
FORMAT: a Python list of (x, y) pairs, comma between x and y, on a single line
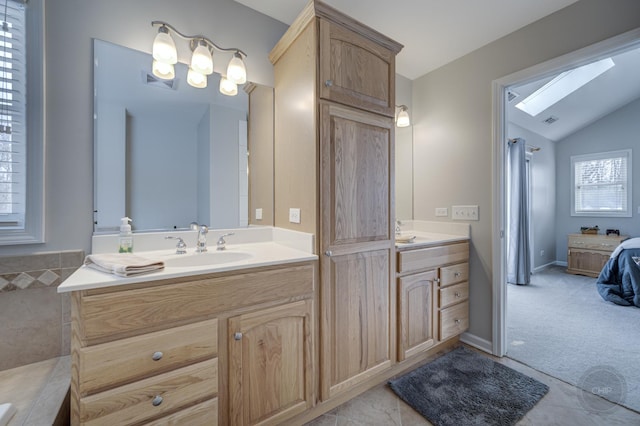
[(561, 406)]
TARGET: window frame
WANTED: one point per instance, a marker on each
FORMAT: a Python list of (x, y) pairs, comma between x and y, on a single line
[(33, 232), (602, 156)]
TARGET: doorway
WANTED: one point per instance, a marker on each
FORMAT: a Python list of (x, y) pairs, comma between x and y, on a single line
[(555, 66)]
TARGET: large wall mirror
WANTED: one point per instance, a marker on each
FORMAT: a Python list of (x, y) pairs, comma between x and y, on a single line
[(165, 154)]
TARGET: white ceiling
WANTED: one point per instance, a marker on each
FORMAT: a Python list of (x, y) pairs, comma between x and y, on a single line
[(436, 32), (433, 32)]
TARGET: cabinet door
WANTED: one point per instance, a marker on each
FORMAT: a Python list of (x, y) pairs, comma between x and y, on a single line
[(416, 311), (271, 364), (358, 294), (586, 262), (355, 70)]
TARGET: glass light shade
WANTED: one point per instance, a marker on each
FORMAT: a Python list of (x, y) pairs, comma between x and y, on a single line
[(403, 119), (228, 87), (164, 49), (196, 79), (236, 71), (163, 71), (201, 60)]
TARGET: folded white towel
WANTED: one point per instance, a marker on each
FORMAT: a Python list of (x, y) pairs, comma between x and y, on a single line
[(123, 264), (626, 244)]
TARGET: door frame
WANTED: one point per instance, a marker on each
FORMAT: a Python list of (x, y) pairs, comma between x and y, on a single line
[(600, 50)]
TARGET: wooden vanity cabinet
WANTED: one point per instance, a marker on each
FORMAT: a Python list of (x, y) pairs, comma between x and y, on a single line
[(228, 348), (433, 287), (334, 159)]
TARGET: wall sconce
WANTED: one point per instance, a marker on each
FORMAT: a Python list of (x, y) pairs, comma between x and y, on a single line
[(165, 56), (403, 116)]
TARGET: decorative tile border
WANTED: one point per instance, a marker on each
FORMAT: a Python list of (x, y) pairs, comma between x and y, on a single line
[(38, 270)]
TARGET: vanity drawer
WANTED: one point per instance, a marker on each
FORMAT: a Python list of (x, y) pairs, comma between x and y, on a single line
[(430, 257), (123, 361), (454, 274), (134, 403), (454, 320), (203, 414), (453, 294), (116, 314)]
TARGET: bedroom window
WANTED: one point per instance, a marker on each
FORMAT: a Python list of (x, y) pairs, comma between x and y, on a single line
[(601, 184)]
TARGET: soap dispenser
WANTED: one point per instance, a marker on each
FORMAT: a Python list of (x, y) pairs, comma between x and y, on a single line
[(125, 239)]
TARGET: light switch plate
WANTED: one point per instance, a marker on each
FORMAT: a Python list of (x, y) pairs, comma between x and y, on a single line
[(442, 212), (294, 215), (258, 214), (464, 213)]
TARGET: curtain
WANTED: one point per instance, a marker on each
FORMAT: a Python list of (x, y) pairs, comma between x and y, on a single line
[(518, 248)]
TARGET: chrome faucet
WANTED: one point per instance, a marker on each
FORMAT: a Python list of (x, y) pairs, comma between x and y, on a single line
[(181, 247), (201, 246), (222, 244)]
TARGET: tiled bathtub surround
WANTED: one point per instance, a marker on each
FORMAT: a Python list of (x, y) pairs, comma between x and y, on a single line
[(35, 319)]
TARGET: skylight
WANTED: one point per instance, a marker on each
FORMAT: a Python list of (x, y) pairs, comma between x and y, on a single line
[(562, 86)]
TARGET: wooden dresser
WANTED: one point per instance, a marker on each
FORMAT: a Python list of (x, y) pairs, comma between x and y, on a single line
[(587, 253)]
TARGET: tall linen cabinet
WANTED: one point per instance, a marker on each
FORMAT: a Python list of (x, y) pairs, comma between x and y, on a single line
[(333, 160)]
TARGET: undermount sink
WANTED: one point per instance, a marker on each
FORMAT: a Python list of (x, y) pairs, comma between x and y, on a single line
[(205, 259)]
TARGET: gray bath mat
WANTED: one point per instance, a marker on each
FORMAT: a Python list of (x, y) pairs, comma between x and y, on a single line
[(463, 388)]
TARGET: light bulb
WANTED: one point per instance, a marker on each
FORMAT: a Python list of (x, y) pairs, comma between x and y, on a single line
[(162, 70), (403, 118), (201, 60), (228, 87), (236, 71), (196, 79), (164, 49)]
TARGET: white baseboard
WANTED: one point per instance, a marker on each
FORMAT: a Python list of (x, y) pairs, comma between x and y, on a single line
[(560, 263), (477, 342)]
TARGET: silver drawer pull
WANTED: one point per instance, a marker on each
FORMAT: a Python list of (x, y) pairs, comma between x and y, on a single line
[(457, 294), (457, 321), (157, 400), (157, 356), (328, 83), (456, 274), (328, 253), (237, 336)]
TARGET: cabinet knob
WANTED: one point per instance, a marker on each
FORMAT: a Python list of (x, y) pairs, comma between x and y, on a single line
[(457, 294), (157, 400), (457, 321), (328, 83), (237, 336), (157, 356), (328, 253), (456, 274)]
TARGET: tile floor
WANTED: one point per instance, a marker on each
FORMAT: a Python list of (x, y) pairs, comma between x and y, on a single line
[(561, 406)]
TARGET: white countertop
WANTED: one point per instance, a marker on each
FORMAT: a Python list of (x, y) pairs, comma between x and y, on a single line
[(428, 239), (261, 254)]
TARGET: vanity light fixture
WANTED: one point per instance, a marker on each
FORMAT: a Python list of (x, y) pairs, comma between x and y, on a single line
[(403, 116), (165, 55)]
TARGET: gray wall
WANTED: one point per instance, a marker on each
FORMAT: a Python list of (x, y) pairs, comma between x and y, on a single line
[(618, 130), (543, 194), (70, 27), (453, 125), (404, 154)]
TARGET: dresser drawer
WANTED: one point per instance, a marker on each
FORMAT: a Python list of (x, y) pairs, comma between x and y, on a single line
[(453, 294), (454, 320), (595, 242), (123, 361), (136, 402), (117, 314), (454, 274), (430, 257), (203, 414)]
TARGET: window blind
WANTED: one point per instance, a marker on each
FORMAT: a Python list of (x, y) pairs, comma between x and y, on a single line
[(601, 185), (13, 136)]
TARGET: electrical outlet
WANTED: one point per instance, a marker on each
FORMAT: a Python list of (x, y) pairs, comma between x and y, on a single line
[(541, 253), (258, 214), (442, 211), (464, 213), (294, 215)]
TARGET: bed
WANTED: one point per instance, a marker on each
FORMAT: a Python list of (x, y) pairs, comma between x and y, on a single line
[(619, 280)]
